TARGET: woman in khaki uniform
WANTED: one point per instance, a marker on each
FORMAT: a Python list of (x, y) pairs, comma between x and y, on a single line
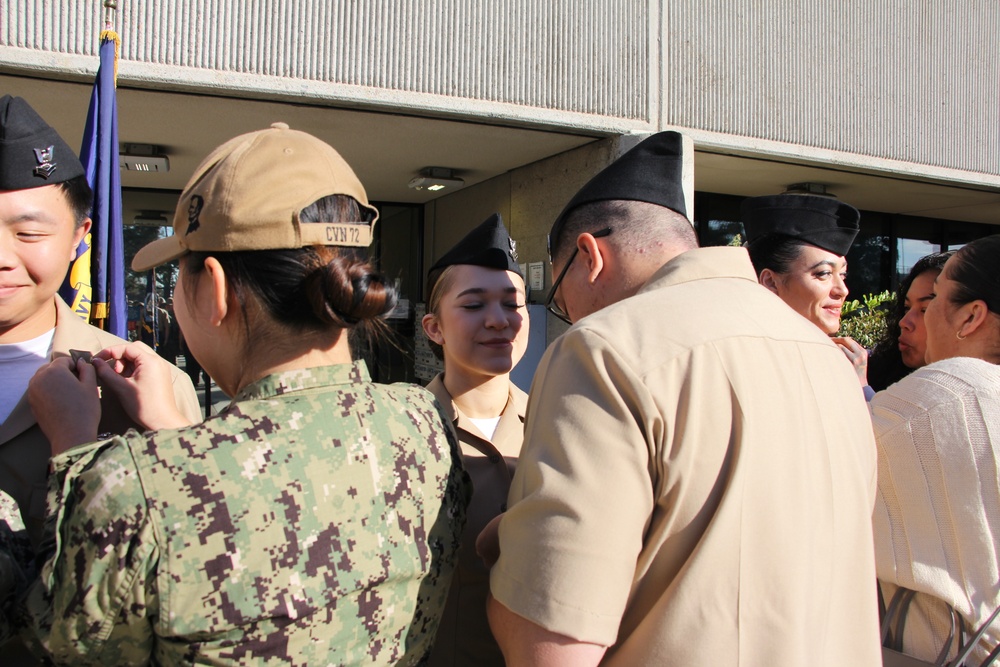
[(477, 323), (798, 245)]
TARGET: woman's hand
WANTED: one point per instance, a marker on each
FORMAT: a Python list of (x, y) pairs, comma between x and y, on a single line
[(64, 398), (857, 355), (142, 382)]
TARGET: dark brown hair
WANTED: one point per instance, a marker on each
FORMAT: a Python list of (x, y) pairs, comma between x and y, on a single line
[(774, 251), (310, 288), (80, 197), (974, 270)]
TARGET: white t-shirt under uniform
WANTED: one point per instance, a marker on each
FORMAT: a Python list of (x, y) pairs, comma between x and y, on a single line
[(19, 362)]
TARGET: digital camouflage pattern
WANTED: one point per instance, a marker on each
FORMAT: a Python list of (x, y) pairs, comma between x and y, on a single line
[(16, 564), (314, 522)]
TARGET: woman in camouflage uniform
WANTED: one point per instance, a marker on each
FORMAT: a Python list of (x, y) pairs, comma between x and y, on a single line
[(316, 519)]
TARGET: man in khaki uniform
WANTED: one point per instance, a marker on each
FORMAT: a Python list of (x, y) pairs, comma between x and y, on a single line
[(698, 476), (44, 214)]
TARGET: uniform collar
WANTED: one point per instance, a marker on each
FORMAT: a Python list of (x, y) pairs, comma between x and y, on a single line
[(72, 331), (703, 264), (517, 403), (304, 379)]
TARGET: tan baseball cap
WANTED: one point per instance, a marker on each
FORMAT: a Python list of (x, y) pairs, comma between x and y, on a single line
[(248, 193)]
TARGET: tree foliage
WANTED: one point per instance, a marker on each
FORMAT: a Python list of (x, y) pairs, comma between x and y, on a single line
[(864, 319), (133, 238)]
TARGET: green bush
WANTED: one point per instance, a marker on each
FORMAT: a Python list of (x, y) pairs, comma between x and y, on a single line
[(865, 319)]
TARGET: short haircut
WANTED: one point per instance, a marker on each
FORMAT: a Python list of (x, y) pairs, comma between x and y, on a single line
[(635, 223), (80, 197)]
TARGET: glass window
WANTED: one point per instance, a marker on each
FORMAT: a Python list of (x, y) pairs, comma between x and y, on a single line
[(869, 256), (957, 234), (717, 218), (908, 251), (915, 238)]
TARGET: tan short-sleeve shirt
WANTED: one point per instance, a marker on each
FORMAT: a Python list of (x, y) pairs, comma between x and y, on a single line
[(696, 482)]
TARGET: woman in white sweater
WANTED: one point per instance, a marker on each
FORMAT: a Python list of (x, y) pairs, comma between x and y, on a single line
[(937, 514)]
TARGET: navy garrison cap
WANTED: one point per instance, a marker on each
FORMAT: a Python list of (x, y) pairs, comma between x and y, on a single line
[(651, 172), (824, 222), (32, 154), (487, 245)]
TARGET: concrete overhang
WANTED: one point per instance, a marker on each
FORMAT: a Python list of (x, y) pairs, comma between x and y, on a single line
[(389, 149)]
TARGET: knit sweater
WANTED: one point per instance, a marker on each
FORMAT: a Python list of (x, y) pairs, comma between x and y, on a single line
[(937, 512)]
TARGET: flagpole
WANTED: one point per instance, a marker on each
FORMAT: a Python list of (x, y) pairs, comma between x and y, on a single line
[(110, 7)]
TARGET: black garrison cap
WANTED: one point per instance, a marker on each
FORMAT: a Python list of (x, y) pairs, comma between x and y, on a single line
[(822, 221), (32, 154), (651, 172), (487, 245)]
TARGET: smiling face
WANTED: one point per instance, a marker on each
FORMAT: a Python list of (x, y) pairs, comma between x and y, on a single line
[(912, 333), (38, 240), (480, 322), (813, 286)]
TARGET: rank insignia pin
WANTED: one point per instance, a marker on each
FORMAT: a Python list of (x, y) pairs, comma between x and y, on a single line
[(513, 250), (43, 156)]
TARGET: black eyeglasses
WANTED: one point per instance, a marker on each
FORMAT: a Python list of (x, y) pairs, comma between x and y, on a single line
[(550, 303)]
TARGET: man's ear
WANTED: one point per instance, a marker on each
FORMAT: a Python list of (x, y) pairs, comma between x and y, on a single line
[(219, 304), (432, 327), (78, 235), (769, 279), (591, 255)]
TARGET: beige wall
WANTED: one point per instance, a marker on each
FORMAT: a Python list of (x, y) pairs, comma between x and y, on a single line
[(528, 199), (899, 86)]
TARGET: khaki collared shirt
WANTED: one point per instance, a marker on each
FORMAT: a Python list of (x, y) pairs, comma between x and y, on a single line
[(697, 481), (464, 637)]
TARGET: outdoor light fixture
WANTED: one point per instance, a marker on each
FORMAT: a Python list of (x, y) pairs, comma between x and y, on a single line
[(807, 189), (150, 219), (435, 179), (142, 157)]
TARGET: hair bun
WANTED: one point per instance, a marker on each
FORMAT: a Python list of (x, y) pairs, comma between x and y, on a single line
[(345, 291)]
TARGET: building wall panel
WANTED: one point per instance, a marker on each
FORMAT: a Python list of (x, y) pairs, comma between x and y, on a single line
[(900, 86), (581, 56), (909, 80)]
